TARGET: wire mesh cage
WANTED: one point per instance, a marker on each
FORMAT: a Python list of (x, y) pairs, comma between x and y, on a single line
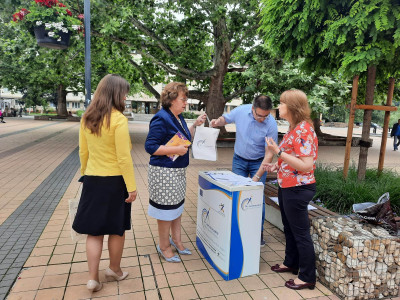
[(355, 260)]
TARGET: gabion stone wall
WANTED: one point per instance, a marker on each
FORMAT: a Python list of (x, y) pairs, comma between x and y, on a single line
[(354, 260)]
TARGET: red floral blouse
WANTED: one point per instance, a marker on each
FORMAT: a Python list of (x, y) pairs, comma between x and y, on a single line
[(301, 141)]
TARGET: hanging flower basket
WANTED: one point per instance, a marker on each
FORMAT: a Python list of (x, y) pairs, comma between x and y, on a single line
[(51, 21), (44, 40)]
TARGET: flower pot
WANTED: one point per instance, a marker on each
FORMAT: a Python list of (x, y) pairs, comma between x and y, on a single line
[(44, 40)]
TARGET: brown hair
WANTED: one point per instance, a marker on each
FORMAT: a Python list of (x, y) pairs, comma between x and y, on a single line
[(170, 93), (110, 93), (297, 105)]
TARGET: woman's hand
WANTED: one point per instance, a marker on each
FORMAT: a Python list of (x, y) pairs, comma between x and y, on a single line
[(181, 149), (272, 146), (131, 197), (200, 120), (269, 167)]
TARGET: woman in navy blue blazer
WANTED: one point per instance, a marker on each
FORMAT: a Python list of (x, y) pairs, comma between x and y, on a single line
[(167, 177)]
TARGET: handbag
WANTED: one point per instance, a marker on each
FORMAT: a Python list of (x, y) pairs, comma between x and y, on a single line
[(205, 143), (73, 208)]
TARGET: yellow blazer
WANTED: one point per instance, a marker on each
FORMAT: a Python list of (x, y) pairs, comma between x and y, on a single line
[(110, 153)]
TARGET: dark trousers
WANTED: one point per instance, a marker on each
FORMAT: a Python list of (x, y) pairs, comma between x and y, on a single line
[(299, 252)]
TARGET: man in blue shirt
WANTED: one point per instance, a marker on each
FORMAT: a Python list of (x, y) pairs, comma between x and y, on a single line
[(253, 124)]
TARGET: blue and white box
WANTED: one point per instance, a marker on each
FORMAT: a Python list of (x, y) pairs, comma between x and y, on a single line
[(229, 225)]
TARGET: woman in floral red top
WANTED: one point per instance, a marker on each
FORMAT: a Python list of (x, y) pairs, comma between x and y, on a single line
[(296, 154)]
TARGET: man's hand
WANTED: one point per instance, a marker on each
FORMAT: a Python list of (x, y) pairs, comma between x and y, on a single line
[(131, 197), (213, 123)]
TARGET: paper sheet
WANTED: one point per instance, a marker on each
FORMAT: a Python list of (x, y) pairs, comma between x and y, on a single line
[(231, 179)]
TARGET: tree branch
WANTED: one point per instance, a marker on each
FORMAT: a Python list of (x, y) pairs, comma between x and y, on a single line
[(238, 42), (153, 36), (235, 94), (145, 81), (237, 69), (198, 95), (184, 72), (179, 71)]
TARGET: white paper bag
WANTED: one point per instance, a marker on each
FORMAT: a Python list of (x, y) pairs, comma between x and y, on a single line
[(205, 143)]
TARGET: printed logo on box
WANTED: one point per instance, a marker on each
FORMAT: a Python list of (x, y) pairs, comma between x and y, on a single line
[(248, 204), (221, 209), (205, 216), (205, 220)]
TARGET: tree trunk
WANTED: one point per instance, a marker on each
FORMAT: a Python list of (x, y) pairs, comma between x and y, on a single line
[(216, 102), (61, 101), (317, 127), (364, 144)]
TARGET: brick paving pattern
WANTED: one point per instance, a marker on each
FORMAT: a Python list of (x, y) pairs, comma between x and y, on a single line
[(26, 130), (22, 229), (12, 151), (56, 267)]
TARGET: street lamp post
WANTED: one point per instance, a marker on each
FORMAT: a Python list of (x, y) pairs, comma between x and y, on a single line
[(88, 71)]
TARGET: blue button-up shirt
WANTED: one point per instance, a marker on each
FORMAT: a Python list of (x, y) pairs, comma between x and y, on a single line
[(250, 134)]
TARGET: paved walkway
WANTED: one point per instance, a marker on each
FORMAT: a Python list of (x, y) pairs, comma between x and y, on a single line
[(38, 260)]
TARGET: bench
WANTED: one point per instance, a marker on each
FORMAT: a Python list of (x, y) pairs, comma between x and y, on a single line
[(272, 210)]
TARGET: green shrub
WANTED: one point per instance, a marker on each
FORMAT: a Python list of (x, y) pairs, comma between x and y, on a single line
[(79, 113), (189, 115), (339, 195)]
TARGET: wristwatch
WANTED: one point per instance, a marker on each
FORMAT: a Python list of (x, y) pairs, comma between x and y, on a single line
[(279, 153)]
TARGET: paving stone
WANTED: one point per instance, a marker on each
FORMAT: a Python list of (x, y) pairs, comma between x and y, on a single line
[(32, 216), (26, 130)]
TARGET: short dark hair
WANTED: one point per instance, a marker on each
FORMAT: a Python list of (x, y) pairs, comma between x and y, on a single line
[(263, 102), (170, 93)]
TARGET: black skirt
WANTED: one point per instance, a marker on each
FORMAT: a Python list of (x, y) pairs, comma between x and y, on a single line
[(102, 208)]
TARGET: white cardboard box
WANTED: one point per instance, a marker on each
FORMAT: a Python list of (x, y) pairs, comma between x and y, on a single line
[(229, 226)]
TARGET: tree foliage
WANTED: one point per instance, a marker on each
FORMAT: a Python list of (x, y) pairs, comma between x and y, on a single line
[(342, 35), (351, 36), (271, 75), (194, 42), (38, 72)]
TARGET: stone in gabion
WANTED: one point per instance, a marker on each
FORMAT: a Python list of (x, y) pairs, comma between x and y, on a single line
[(354, 260)]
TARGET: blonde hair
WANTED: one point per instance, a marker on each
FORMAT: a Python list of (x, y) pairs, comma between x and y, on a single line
[(110, 93), (297, 104), (170, 93)]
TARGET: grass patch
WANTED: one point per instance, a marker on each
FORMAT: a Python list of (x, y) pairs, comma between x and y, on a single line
[(339, 195)]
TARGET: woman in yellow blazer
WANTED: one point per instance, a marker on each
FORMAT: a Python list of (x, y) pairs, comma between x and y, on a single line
[(109, 185)]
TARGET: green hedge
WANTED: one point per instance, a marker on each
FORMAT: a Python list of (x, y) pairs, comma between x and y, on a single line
[(189, 115), (339, 195)]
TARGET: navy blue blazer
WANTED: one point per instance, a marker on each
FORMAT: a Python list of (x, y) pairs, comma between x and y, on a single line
[(163, 126)]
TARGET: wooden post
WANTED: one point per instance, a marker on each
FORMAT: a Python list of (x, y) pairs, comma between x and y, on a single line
[(350, 125), (385, 126)]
